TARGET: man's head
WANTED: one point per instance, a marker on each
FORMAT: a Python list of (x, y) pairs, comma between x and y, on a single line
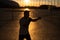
[(26, 13)]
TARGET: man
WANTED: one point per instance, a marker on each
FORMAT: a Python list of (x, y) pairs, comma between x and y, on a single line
[(24, 26)]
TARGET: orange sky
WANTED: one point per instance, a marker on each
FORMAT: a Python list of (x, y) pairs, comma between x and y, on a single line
[(35, 3)]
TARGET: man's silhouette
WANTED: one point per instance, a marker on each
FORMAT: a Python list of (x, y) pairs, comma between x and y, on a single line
[(24, 26)]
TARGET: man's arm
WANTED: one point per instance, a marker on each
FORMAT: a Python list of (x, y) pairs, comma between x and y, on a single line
[(36, 19)]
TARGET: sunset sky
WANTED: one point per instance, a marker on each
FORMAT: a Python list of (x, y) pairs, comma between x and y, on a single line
[(37, 2)]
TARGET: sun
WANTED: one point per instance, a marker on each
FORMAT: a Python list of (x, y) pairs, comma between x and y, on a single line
[(26, 2)]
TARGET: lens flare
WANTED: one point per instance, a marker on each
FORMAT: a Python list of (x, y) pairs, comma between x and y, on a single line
[(26, 2)]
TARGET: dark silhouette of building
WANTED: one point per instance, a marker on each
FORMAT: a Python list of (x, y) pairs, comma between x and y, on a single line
[(24, 26), (8, 4)]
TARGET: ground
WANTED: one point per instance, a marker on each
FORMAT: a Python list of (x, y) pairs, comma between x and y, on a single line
[(48, 28)]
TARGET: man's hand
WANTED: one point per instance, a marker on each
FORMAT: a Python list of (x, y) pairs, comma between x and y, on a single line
[(36, 19)]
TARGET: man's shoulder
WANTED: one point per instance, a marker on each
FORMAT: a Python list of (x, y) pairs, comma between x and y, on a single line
[(25, 18), (30, 18)]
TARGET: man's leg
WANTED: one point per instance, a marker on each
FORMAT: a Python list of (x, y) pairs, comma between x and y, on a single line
[(28, 37), (21, 37)]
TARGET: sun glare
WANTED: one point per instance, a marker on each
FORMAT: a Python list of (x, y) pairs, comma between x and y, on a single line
[(26, 2)]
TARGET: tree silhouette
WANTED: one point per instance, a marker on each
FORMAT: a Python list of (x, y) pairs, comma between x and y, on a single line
[(50, 7), (8, 4), (43, 7)]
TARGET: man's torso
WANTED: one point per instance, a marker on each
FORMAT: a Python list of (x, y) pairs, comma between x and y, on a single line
[(24, 25)]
